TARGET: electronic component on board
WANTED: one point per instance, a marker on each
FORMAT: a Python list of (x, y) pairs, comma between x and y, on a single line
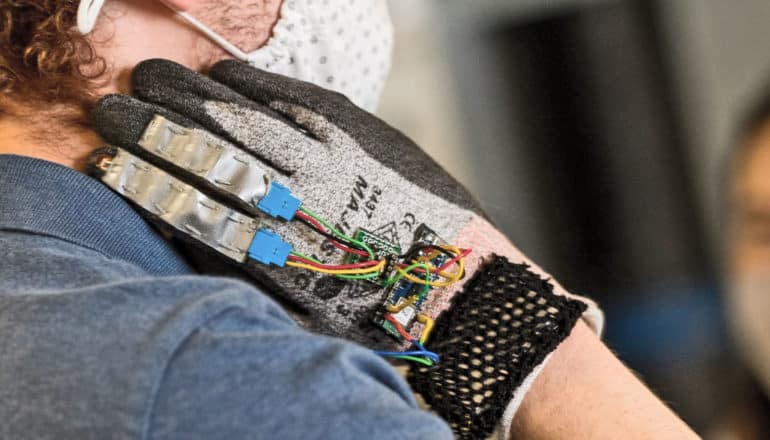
[(426, 241), (382, 249)]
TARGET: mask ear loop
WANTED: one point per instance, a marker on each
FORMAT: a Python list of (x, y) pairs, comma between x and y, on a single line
[(88, 13), (215, 37)]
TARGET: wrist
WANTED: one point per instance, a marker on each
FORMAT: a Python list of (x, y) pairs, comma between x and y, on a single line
[(584, 391)]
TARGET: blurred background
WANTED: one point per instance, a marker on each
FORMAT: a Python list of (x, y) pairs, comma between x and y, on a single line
[(595, 134)]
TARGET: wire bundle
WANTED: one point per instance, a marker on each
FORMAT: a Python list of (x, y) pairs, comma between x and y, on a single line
[(421, 355), (416, 268), (370, 267), (364, 270)]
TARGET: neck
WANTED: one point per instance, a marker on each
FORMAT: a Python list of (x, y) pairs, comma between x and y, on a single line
[(127, 35), (132, 31), (52, 138)]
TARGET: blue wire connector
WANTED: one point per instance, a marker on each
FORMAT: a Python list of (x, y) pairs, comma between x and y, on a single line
[(268, 248), (279, 202)]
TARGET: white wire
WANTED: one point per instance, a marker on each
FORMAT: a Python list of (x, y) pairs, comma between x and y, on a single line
[(215, 37), (88, 13)]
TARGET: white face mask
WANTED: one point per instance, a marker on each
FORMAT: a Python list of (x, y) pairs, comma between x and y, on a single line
[(342, 45), (749, 315)]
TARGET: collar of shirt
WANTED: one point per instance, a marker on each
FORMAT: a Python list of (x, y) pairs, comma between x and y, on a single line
[(45, 198)]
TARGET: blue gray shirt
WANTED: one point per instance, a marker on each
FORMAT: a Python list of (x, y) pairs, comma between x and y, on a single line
[(107, 333)]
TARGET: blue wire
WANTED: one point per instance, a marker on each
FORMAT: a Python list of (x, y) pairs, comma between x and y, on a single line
[(422, 352), (432, 356), (400, 353), (429, 354)]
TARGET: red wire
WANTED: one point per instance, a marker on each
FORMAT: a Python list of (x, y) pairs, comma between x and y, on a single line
[(311, 220), (334, 267), (398, 326), (454, 260), (336, 244), (344, 248)]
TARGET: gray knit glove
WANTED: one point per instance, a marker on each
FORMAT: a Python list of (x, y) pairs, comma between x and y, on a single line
[(350, 168)]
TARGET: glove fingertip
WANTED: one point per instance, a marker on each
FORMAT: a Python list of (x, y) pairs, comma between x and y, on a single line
[(113, 118), (261, 85), (226, 65), (148, 71)]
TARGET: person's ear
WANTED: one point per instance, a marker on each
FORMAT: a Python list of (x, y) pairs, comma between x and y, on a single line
[(179, 5)]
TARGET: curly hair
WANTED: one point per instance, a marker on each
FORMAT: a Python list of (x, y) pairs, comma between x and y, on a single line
[(43, 57)]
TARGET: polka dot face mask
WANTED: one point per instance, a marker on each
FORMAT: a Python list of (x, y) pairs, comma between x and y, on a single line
[(341, 45)]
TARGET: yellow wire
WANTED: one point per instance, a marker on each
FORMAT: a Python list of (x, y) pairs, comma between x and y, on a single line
[(443, 274), (427, 259), (453, 249), (451, 279), (395, 309), (422, 282), (454, 277), (428, 323), (376, 268)]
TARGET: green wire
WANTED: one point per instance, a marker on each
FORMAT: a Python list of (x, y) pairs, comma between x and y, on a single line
[(423, 361), (392, 280), (336, 232), (297, 254)]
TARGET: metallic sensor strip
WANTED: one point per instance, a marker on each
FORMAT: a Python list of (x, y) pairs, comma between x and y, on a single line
[(180, 205), (208, 157)]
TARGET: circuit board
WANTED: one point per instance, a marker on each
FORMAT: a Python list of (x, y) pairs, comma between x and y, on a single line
[(403, 289), (382, 249)]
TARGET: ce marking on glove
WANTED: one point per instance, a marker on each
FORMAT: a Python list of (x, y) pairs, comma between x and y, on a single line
[(409, 221)]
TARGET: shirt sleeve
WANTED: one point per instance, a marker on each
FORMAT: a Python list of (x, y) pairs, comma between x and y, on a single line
[(246, 376)]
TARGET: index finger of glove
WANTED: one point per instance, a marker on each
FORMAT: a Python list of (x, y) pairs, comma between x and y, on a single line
[(268, 88), (262, 131), (389, 146)]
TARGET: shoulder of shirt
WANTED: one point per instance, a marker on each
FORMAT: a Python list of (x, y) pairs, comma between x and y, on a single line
[(106, 345)]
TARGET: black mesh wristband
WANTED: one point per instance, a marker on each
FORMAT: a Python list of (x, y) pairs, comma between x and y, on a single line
[(498, 329)]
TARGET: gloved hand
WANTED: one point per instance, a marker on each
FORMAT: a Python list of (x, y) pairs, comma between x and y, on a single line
[(355, 170)]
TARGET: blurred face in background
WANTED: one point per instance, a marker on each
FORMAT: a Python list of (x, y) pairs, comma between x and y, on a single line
[(749, 243), (748, 248)]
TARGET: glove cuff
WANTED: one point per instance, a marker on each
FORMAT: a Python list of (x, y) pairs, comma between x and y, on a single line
[(493, 341)]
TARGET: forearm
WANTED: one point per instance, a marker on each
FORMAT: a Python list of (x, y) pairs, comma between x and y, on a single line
[(585, 392)]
